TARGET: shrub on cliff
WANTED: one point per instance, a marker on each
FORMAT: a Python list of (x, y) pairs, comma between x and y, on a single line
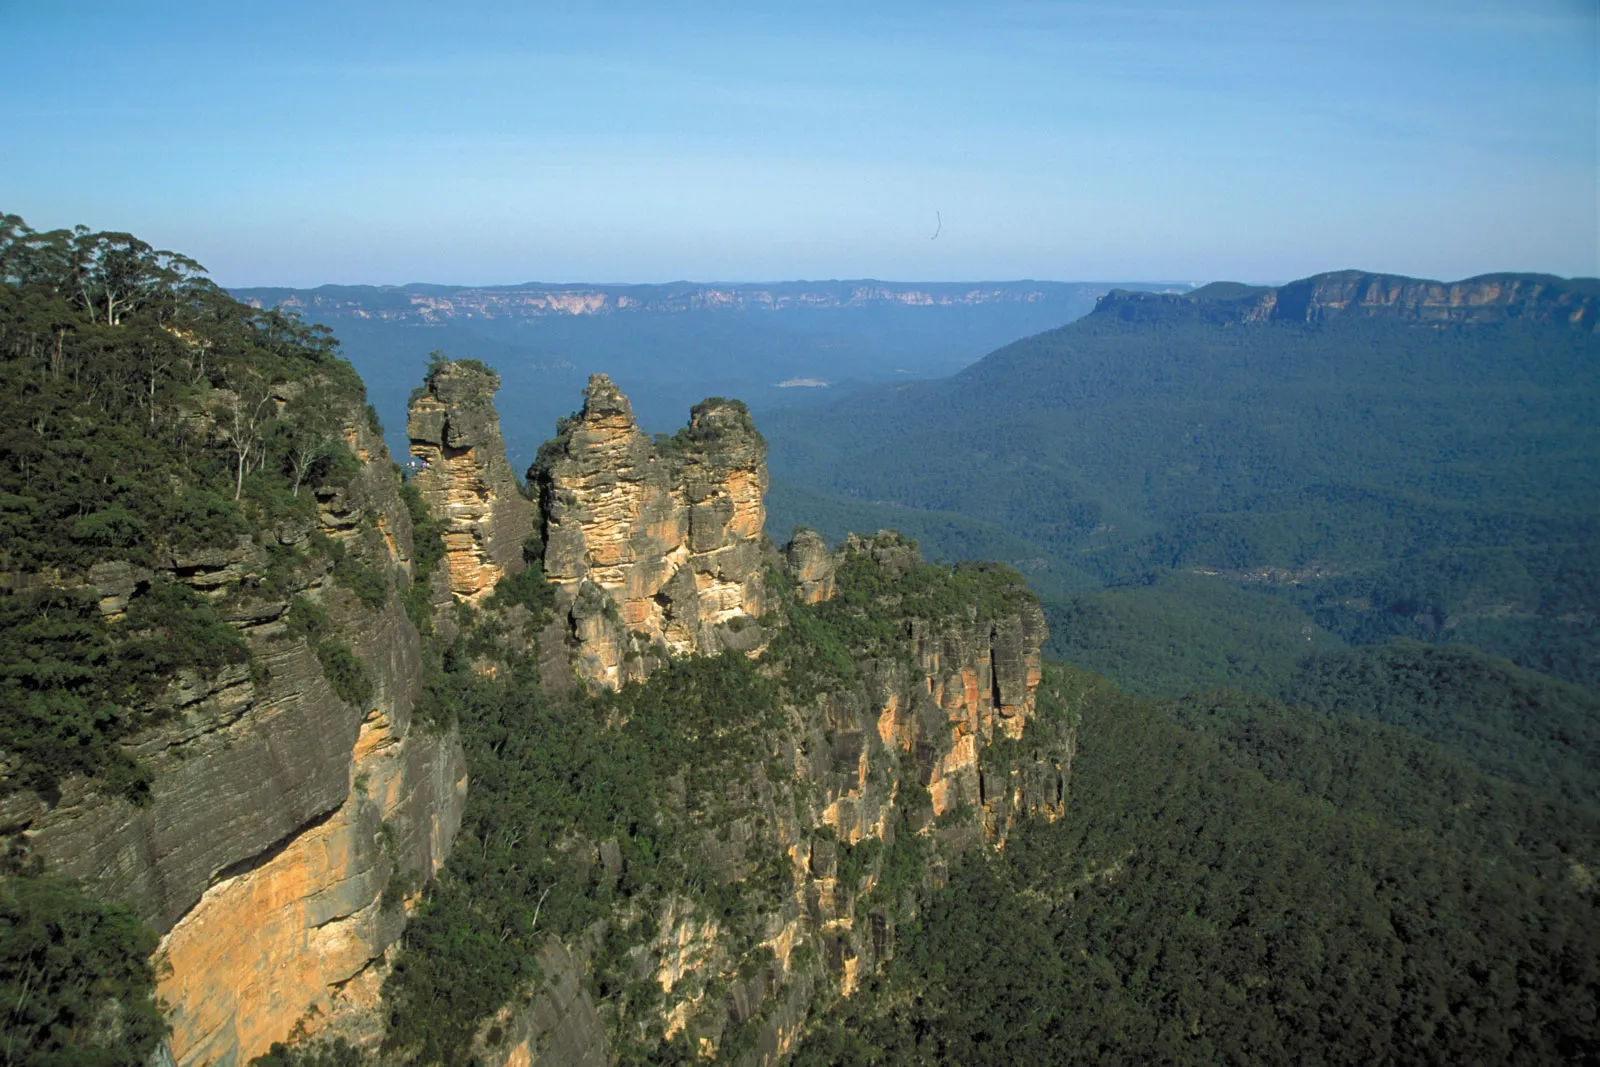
[(343, 670), (141, 407), (72, 687), (76, 985)]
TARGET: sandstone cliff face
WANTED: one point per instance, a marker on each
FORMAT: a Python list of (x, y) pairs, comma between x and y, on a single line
[(527, 302), (906, 755), (940, 750), (808, 559), (1487, 299), (1491, 298), (969, 684), (555, 1024), (279, 813), (654, 548), (465, 479)]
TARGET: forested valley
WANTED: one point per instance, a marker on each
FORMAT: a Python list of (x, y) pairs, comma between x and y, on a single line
[(1238, 880), (1311, 775), (1168, 467)]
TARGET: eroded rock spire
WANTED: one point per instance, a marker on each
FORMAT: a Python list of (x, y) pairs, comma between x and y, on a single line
[(654, 548), (465, 479)]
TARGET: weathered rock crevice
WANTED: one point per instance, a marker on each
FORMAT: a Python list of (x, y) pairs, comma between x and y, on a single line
[(862, 774)]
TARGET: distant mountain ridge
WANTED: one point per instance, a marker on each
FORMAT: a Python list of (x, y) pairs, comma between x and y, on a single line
[(421, 303), (1395, 457), (1487, 298)]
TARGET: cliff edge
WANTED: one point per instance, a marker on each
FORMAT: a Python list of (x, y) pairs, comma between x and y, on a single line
[(1482, 300), (464, 478)]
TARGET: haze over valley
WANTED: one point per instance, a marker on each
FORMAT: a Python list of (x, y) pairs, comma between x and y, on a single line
[(770, 345)]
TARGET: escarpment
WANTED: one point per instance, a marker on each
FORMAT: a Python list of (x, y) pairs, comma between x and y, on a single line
[(293, 802), (817, 824), (464, 478), (1353, 294), (1484, 299), (653, 546), (889, 715), (771, 757)]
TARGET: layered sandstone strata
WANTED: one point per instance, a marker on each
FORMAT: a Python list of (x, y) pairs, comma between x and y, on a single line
[(857, 770), (465, 479), (1352, 294), (279, 814), (1485, 299), (654, 546)]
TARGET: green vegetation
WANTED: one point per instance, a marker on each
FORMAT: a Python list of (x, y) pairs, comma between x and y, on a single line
[(146, 421), (1387, 478), (657, 775), (143, 409), (76, 985), (1239, 881), (878, 591), (1176, 632), (72, 686), (438, 362), (528, 588), (1398, 864), (1513, 723), (338, 1053), (427, 551), (552, 780), (343, 670), (709, 424), (366, 582)]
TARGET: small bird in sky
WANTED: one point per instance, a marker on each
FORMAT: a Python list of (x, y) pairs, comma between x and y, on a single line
[(938, 227)]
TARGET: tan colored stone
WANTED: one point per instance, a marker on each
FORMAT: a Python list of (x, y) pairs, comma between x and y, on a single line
[(465, 480), (653, 547)]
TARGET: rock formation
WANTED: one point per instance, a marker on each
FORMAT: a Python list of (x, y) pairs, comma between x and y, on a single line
[(279, 812), (971, 681), (864, 772), (1488, 298), (807, 558), (289, 829), (465, 479), (436, 304), (654, 547)]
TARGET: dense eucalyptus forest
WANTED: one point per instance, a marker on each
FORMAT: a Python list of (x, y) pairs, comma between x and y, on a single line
[(1166, 465), (1299, 829), (1244, 881)]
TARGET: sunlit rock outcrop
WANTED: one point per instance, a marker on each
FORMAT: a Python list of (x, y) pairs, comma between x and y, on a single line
[(465, 479), (654, 546), (807, 558)]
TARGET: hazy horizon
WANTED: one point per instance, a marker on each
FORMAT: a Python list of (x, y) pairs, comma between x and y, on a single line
[(757, 282)]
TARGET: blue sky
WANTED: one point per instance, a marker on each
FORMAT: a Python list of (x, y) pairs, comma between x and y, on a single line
[(298, 144)]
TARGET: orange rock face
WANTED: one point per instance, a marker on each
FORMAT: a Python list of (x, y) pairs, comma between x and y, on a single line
[(465, 480), (300, 939), (279, 810), (853, 772), (654, 548)]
